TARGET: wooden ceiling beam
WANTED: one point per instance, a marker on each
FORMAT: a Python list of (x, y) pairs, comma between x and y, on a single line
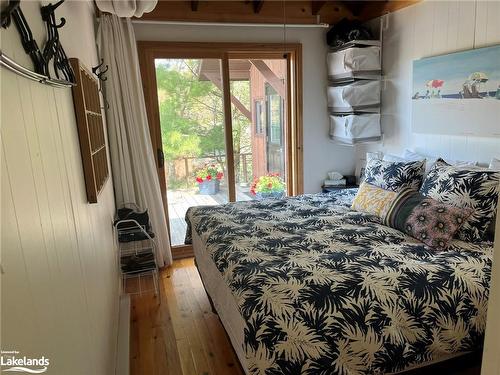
[(316, 6), (374, 9), (355, 7), (297, 12), (255, 11)]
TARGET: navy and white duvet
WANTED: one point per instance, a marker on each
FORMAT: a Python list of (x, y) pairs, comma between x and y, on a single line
[(327, 290)]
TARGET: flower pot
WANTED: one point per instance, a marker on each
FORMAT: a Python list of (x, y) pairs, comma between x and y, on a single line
[(209, 187), (270, 195)]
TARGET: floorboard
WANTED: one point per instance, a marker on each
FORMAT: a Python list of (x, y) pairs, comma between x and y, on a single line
[(181, 336)]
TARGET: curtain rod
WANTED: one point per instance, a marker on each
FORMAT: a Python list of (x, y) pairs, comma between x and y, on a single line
[(187, 23)]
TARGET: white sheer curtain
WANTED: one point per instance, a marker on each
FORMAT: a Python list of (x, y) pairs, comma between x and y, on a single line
[(132, 159)]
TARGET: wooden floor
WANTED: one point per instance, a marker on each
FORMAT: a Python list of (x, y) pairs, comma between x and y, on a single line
[(181, 336)]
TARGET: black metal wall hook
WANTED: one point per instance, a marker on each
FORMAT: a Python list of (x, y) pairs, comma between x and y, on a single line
[(13, 10), (49, 9), (48, 14), (97, 67), (53, 48), (101, 75), (99, 71), (7, 13)]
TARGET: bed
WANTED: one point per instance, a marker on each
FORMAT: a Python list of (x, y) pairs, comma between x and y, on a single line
[(306, 285)]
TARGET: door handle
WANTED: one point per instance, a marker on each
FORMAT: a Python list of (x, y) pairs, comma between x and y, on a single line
[(161, 158)]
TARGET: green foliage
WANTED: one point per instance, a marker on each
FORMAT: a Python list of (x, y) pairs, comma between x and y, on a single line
[(179, 92), (192, 113)]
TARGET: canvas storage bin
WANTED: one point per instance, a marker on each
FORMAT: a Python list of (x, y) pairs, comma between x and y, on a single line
[(357, 96), (354, 62), (353, 129)]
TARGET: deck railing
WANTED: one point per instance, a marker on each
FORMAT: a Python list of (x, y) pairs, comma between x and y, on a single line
[(180, 172)]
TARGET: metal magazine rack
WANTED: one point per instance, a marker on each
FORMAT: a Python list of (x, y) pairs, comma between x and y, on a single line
[(137, 258)]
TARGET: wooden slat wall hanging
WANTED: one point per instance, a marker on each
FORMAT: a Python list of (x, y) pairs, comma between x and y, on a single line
[(90, 130)]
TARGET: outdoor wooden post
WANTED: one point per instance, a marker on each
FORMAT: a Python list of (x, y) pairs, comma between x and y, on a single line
[(245, 173)]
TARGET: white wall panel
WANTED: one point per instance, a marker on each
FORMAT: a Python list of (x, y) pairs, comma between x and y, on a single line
[(60, 283), (427, 29)]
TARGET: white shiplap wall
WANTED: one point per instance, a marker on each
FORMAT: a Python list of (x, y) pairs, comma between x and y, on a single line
[(59, 283), (427, 29)]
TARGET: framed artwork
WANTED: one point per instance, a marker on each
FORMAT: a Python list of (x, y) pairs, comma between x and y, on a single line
[(457, 93)]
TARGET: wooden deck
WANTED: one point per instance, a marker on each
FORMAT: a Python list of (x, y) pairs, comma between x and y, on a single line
[(180, 200)]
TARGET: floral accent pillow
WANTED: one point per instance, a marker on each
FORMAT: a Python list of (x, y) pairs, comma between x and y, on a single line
[(373, 200), (466, 187), (425, 219), (395, 176)]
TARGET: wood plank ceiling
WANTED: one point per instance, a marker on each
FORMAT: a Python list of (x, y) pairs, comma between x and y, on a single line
[(273, 11)]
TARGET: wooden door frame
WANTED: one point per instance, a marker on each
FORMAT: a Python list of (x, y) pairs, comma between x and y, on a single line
[(148, 51)]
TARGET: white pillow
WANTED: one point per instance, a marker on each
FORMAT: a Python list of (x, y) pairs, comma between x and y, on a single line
[(373, 155), (431, 160), (394, 158), (495, 163), (414, 156), (459, 163)]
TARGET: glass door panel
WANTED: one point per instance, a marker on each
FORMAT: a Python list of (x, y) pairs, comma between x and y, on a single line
[(191, 112), (258, 102)]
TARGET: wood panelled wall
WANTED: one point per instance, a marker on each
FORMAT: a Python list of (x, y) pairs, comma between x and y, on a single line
[(59, 281), (427, 29), (258, 93)]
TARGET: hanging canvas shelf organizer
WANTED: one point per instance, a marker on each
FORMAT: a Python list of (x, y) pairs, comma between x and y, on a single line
[(359, 96), (353, 63), (352, 129)]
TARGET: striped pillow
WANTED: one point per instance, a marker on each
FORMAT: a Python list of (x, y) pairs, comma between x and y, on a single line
[(426, 219)]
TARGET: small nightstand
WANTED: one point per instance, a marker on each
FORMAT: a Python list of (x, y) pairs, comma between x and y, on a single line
[(329, 189)]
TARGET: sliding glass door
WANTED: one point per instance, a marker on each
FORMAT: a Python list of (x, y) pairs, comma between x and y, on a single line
[(191, 110), (222, 124)]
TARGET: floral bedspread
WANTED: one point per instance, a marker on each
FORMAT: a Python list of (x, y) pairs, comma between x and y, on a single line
[(327, 290)]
